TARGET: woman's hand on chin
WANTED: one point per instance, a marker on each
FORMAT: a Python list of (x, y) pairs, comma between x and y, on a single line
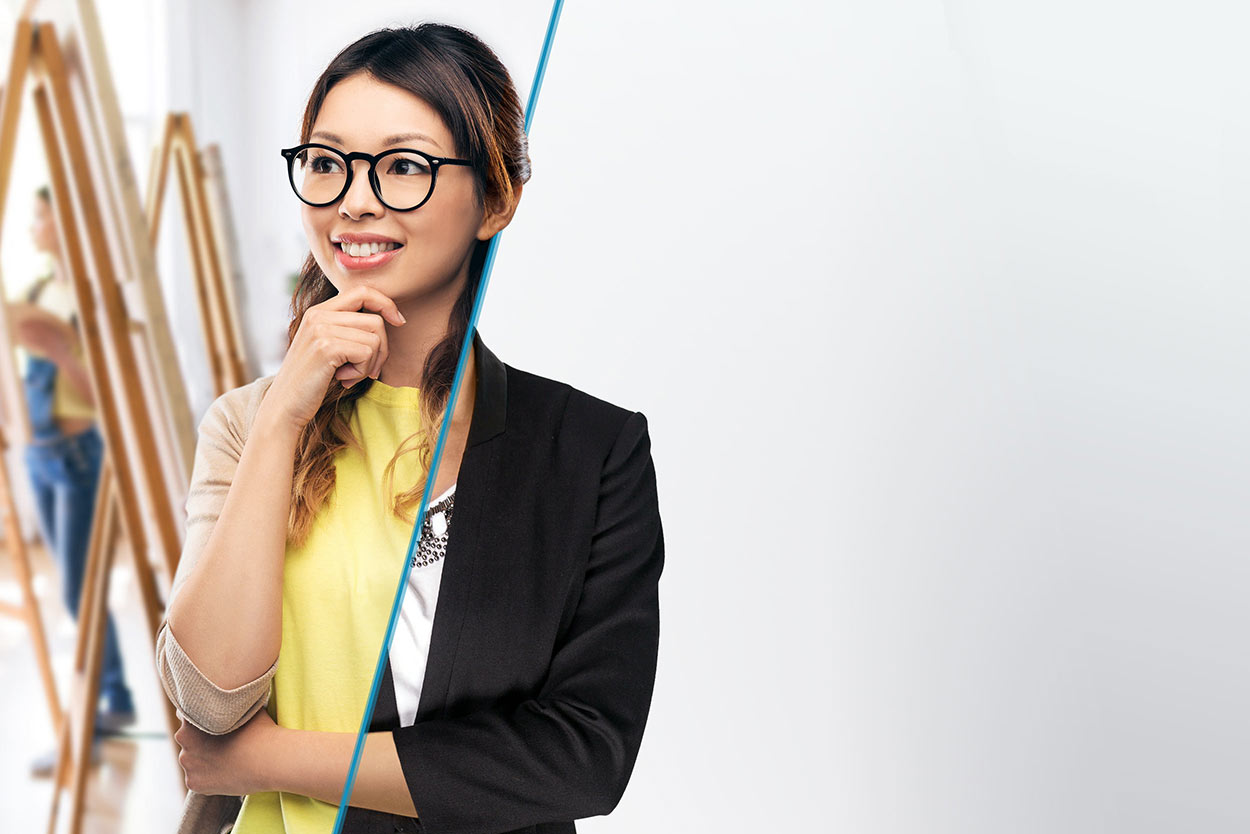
[(235, 764)]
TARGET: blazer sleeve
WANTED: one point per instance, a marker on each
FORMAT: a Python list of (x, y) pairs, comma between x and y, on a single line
[(569, 752), (222, 434)]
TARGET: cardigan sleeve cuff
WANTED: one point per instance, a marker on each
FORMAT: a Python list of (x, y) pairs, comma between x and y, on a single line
[(204, 704)]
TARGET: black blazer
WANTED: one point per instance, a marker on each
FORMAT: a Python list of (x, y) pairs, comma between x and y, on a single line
[(543, 653)]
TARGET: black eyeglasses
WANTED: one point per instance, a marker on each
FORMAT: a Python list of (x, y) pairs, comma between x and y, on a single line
[(321, 174)]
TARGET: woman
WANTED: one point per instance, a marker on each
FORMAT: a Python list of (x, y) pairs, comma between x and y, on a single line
[(521, 705), (66, 450)]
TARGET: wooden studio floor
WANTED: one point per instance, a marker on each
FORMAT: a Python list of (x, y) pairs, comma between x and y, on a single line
[(137, 788)]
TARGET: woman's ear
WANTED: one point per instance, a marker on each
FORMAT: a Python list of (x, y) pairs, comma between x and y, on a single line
[(497, 217)]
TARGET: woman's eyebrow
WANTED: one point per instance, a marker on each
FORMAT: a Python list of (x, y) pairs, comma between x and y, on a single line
[(390, 140)]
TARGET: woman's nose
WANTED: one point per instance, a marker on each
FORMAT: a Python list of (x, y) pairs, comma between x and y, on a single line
[(360, 199)]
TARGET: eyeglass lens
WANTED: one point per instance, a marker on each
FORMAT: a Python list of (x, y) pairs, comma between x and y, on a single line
[(405, 179)]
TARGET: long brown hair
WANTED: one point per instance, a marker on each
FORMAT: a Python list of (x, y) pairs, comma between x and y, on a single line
[(463, 80), (36, 288)]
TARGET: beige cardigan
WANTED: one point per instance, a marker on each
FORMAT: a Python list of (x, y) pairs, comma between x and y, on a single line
[(222, 433)]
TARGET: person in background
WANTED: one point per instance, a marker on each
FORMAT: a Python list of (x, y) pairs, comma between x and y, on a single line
[(65, 452)]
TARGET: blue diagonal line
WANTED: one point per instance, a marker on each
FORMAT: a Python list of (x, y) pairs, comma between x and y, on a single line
[(491, 248)]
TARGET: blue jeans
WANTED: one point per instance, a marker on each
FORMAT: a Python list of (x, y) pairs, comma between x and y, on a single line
[(65, 473)]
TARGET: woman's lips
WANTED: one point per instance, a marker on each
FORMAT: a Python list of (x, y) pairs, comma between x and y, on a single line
[(367, 262)]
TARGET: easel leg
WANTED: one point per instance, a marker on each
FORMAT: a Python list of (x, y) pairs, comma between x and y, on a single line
[(79, 735), (29, 609), (10, 111)]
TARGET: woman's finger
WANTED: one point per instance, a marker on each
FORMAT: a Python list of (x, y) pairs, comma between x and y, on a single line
[(351, 318), (367, 298), (371, 322), (356, 346)]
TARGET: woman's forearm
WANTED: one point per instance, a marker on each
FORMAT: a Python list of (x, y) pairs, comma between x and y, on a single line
[(228, 613), (315, 764)]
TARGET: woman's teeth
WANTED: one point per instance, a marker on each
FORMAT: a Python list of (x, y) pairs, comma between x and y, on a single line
[(364, 250)]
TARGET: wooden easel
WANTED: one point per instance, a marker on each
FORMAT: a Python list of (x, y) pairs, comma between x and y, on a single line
[(75, 738), (15, 430), (232, 283), (207, 230), (113, 317), (28, 609)]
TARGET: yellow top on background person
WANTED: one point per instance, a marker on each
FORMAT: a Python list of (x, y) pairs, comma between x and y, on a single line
[(53, 297)]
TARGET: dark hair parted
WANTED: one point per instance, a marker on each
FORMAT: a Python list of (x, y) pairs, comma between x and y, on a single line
[(462, 80)]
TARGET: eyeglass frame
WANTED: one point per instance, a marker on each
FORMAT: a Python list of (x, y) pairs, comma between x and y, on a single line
[(435, 163)]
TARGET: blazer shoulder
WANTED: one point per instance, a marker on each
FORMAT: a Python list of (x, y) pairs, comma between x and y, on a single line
[(559, 406)]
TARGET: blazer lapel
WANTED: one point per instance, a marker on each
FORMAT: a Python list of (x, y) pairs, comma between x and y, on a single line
[(476, 487), (385, 707)]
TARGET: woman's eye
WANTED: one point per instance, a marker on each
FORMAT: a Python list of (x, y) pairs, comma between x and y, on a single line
[(323, 165), (409, 167)]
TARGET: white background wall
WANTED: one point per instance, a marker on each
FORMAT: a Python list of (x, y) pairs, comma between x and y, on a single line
[(936, 311)]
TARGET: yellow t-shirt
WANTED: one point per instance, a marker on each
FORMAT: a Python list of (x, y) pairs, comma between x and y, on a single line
[(57, 299), (337, 593), (67, 401)]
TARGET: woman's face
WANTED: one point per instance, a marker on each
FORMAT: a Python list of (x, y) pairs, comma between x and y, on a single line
[(436, 240), (43, 229)]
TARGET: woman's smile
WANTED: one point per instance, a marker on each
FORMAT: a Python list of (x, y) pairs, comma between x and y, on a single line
[(355, 252)]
